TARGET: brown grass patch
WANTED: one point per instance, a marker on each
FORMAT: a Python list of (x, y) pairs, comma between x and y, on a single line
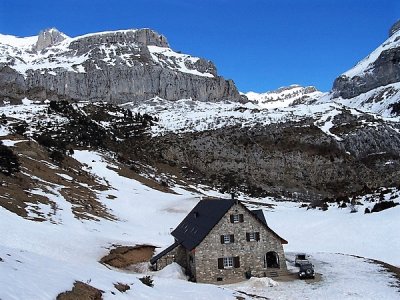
[(124, 256), (81, 291), (40, 173)]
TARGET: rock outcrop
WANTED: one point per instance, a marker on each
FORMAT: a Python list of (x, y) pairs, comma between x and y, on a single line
[(292, 159), (120, 66), (48, 38), (380, 68), (394, 28)]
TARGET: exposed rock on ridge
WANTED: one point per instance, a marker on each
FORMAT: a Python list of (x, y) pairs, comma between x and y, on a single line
[(49, 38), (394, 28), (118, 67), (380, 68)]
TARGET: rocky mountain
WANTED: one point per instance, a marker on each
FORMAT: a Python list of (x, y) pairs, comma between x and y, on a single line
[(117, 67), (295, 141), (373, 84), (285, 96)]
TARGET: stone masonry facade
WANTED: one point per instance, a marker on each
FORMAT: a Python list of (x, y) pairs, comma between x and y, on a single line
[(204, 265)]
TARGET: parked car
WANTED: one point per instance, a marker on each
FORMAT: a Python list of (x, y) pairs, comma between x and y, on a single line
[(306, 270), (300, 259)]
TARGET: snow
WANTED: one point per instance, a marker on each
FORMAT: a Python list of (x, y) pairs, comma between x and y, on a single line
[(325, 122), (18, 54), (343, 277), (42, 259), (338, 231), (18, 41), (174, 60), (390, 94), (57, 250), (65, 176), (11, 143), (284, 96), (187, 115), (364, 65), (4, 131)]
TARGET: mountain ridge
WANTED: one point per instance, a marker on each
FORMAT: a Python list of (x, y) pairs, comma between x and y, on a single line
[(115, 66)]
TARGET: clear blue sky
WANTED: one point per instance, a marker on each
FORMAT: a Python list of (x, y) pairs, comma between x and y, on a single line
[(261, 45)]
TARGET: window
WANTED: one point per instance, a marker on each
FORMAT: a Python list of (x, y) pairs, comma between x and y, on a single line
[(236, 218), (227, 239), (252, 236), (228, 262)]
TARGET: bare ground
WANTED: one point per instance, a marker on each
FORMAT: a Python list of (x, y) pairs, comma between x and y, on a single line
[(81, 291), (39, 173), (124, 256)]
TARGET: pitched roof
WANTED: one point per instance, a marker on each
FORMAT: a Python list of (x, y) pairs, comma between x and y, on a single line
[(259, 214), (204, 216), (199, 222)]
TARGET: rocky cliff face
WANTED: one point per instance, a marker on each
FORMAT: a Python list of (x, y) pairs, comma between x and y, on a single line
[(380, 68), (293, 159), (121, 66)]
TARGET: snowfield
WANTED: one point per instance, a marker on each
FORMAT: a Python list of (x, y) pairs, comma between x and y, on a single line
[(42, 259), (39, 260)]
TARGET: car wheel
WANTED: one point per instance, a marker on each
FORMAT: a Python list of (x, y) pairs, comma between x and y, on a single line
[(308, 271)]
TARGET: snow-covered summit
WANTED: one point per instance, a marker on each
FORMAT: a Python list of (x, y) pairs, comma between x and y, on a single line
[(113, 66), (52, 49), (285, 96), (364, 66)]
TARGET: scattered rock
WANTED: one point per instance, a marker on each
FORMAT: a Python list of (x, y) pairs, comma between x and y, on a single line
[(122, 287), (81, 291)]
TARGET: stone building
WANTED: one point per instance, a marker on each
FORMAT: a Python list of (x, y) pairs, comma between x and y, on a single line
[(222, 241)]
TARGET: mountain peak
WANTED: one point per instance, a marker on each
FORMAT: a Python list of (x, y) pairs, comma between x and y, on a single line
[(48, 38), (395, 27)]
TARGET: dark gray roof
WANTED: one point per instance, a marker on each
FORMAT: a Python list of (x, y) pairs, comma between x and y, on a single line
[(259, 214), (162, 253), (198, 223)]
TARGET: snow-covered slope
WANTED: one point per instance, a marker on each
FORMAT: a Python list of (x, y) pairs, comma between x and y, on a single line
[(44, 252), (363, 67), (285, 96), (22, 55), (373, 84)]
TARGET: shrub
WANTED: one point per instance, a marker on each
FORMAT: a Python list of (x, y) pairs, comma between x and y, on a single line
[(46, 140), (20, 128), (147, 280), (367, 211), (57, 156), (9, 163)]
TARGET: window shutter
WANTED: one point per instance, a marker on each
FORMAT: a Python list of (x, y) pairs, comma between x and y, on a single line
[(222, 239), (247, 236), (236, 262), (220, 263), (231, 217), (257, 236), (241, 218), (232, 238)]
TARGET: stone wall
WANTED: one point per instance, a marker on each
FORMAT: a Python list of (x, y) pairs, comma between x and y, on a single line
[(251, 253), (178, 255)]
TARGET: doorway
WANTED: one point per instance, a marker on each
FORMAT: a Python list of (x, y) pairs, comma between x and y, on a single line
[(271, 260)]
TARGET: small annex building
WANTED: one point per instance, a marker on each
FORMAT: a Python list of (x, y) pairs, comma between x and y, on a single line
[(222, 241)]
